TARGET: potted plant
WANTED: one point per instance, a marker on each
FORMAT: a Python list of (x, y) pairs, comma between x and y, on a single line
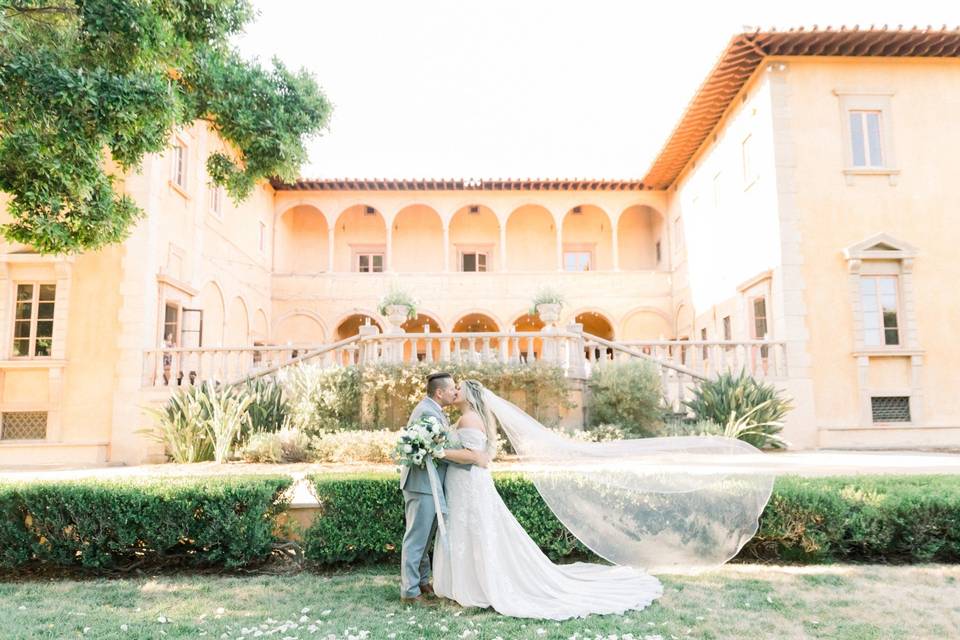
[(547, 304), (397, 305)]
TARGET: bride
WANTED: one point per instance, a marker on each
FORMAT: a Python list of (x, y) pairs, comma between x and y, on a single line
[(609, 495)]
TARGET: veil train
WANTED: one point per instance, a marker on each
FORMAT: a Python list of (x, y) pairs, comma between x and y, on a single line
[(666, 505)]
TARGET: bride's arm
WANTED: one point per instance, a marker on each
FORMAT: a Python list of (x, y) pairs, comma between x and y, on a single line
[(466, 456)]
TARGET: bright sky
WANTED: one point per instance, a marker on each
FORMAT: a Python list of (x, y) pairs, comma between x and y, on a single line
[(521, 88)]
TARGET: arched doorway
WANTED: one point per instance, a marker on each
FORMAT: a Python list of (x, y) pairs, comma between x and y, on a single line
[(417, 240), (302, 241), (360, 241), (587, 239), (530, 348), (597, 324), (476, 348), (474, 240), (416, 350), (639, 239), (531, 226), (350, 326)]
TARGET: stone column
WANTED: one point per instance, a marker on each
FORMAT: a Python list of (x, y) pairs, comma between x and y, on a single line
[(330, 244), (446, 246), (388, 254), (503, 246), (559, 247), (616, 247)]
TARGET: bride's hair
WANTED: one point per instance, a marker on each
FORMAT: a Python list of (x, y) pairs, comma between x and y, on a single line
[(474, 392)]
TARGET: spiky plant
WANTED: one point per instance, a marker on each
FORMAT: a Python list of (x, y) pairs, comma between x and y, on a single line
[(745, 407)]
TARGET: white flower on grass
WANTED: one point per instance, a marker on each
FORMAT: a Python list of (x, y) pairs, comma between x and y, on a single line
[(542, 631), (305, 610), (22, 607), (304, 619), (124, 627), (325, 612), (162, 619), (220, 611), (86, 629)]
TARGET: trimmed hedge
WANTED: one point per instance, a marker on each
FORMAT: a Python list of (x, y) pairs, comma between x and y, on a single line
[(856, 518), (108, 525)]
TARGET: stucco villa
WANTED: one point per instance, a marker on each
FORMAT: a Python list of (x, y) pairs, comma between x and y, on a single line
[(799, 221)]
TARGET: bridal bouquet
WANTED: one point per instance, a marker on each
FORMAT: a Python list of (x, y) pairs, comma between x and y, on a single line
[(425, 437)]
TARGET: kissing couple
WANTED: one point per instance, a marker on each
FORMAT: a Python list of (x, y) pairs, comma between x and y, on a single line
[(487, 559)]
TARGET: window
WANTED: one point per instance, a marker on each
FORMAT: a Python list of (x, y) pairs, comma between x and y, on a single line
[(262, 241), (890, 408), (33, 320), (178, 173), (703, 336), (23, 425), (191, 331), (760, 323), (659, 254), (171, 323), (878, 300), (370, 262), (727, 334), (866, 150), (576, 260), (473, 261), (216, 200)]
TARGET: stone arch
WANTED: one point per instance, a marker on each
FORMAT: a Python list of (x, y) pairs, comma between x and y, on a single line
[(301, 240), (586, 229), (299, 327), (595, 320), (646, 323), (212, 304), (639, 228), (417, 239), (531, 226), (349, 324), (474, 232), (356, 231), (237, 324), (260, 331)]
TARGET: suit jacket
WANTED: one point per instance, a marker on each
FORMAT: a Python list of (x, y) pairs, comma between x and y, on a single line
[(415, 479)]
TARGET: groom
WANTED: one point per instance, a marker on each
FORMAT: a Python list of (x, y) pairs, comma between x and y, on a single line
[(421, 514)]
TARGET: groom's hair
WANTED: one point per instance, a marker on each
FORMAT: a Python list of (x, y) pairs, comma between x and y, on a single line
[(435, 382)]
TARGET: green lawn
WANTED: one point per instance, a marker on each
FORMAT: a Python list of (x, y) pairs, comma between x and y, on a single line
[(739, 601)]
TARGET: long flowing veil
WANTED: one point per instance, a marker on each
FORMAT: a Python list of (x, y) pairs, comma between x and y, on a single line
[(666, 505)]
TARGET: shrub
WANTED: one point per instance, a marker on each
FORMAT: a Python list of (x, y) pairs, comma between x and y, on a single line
[(628, 394), (182, 426), (391, 391), (600, 433), (354, 446), (747, 408), (877, 519), (189, 522), (546, 295), (322, 399), (285, 445), (269, 407)]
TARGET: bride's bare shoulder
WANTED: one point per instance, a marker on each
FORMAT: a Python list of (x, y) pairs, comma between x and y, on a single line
[(470, 420)]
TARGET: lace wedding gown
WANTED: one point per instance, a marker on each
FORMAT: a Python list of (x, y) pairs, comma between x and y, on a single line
[(490, 560)]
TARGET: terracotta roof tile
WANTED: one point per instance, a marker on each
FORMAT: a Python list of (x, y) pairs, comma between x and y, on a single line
[(746, 51), (457, 184)]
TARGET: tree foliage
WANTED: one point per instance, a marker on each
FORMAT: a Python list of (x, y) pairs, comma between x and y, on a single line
[(89, 84)]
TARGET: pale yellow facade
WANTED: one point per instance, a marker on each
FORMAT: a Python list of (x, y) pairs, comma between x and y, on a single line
[(772, 226)]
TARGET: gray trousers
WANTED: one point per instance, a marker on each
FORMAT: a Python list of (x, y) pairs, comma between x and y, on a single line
[(421, 518)]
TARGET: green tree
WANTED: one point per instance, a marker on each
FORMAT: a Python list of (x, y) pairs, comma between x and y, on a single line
[(86, 85)]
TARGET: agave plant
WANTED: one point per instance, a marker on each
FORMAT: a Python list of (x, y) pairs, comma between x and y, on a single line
[(182, 426), (546, 295), (746, 408), (228, 417), (269, 408)]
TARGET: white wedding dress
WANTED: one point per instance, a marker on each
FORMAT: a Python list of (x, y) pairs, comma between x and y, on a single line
[(490, 561)]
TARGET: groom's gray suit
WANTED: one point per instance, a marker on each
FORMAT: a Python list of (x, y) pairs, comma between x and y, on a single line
[(421, 513)]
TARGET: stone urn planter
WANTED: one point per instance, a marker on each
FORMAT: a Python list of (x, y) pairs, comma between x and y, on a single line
[(397, 315), (549, 313)]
